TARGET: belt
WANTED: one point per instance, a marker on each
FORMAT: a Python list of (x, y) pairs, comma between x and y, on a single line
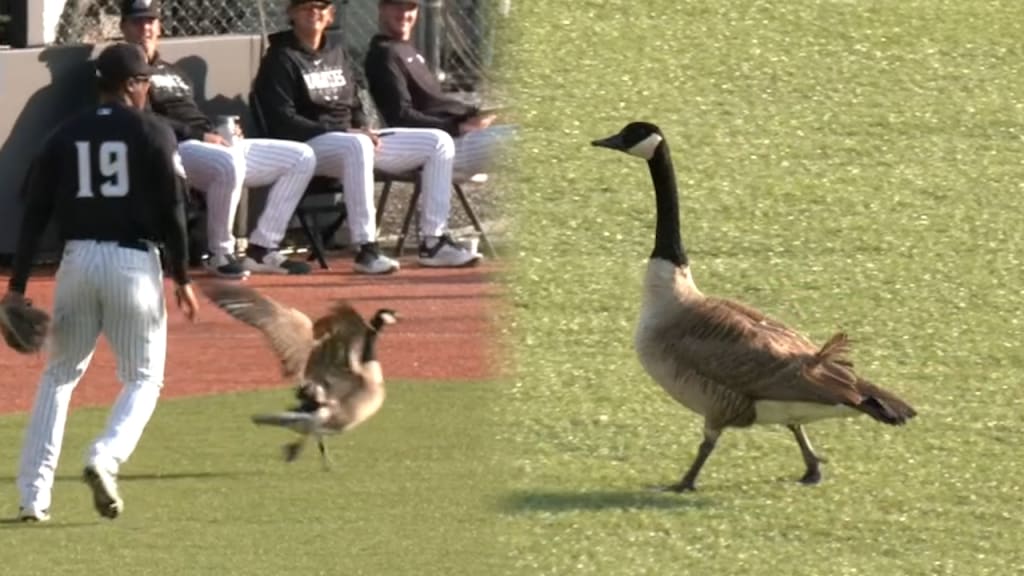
[(134, 245)]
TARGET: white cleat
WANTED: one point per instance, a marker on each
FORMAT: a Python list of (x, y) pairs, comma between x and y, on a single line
[(104, 491), (28, 515)]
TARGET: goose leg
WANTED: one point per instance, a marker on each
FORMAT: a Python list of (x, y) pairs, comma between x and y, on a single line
[(813, 474), (688, 482), (325, 460)]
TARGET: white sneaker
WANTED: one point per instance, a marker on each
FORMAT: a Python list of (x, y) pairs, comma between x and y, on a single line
[(274, 263), (369, 260), (443, 252), (226, 266), (104, 491)]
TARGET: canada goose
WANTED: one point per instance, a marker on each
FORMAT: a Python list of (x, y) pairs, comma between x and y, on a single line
[(725, 360), (332, 362)]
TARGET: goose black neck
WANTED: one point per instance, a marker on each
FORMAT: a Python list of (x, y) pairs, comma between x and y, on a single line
[(668, 245), (369, 346)]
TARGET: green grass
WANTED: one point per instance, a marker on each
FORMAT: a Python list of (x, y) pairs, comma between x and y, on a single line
[(414, 491), (843, 165)]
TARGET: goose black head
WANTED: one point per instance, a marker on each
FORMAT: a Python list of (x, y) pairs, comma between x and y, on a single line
[(382, 317), (640, 139)]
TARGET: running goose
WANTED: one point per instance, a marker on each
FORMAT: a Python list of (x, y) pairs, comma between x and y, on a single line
[(723, 359), (332, 362)]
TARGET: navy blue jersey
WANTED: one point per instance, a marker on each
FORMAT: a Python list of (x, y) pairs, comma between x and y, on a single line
[(111, 173)]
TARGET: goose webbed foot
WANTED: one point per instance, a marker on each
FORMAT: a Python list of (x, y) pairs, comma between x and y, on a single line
[(813, 474), (680, 487), (811, 477)]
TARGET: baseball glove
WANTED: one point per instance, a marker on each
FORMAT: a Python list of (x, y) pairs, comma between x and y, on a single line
[(23, 327)]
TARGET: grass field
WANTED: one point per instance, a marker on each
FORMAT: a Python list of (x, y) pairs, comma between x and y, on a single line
[(843, 165), (413, 492)]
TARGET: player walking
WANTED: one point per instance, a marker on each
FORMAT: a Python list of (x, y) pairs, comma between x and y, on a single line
[(112, 179)]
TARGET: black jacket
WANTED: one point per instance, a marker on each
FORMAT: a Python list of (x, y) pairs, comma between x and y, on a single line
[(172, 97), (305, 93), (406, 92)]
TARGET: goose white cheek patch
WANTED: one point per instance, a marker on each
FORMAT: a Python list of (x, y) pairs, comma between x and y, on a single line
[(646, 147)]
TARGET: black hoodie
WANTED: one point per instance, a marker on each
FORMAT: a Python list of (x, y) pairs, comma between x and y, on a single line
[(406, 92), (304, 93), (171, 96)]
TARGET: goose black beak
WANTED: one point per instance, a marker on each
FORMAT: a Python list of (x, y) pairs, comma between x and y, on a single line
[(614, 142)]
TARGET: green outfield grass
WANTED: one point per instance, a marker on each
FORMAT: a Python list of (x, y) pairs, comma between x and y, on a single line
[(414, 491), (843, 165)]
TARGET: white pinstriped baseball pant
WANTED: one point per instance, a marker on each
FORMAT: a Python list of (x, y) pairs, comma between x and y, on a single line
[(220, 172), (475, 152), (351, 158), (101, 289)]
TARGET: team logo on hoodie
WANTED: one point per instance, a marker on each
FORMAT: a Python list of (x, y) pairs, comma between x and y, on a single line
[(166, 81), (325, 85)]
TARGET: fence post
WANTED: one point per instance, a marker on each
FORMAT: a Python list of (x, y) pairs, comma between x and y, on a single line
[(433, 20), (27, 27)]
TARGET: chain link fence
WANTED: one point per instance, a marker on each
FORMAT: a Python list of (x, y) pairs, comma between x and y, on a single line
[(467, 27)]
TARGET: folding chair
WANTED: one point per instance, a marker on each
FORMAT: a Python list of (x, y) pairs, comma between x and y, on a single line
[(318, 186), (376, 120)]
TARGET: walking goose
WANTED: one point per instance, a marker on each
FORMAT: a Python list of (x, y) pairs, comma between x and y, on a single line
[(332, 362), (725, 360)]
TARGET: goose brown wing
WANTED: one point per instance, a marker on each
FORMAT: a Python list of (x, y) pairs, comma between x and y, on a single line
[(739, 348), (340, 335), (288, 331)]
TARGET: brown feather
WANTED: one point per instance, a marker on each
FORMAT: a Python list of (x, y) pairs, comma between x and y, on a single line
[(288, 331)]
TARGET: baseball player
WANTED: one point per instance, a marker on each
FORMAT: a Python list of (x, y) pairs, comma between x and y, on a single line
[(220, 168), (112, 178), (307, 85), (408, 94)]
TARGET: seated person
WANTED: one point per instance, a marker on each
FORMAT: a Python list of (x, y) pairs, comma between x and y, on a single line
[(408, 94), (307, 89), (220, 169)]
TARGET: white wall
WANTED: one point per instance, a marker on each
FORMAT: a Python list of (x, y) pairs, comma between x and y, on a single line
[(52, 9)]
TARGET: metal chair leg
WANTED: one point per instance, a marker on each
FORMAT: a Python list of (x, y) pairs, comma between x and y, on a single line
[(474, 219), (413, 201), (313, 234), (382, 203)]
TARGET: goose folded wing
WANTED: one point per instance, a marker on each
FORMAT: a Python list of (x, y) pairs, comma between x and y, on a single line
[(760, 358), (289, 332)]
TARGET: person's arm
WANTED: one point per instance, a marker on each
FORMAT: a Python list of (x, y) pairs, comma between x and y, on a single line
[(40, 192), (275, 86), (168, 181), (390, 92)]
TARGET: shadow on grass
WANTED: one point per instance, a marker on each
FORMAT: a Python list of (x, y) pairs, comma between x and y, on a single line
[(152, 476), (568, 501), (9, 523)]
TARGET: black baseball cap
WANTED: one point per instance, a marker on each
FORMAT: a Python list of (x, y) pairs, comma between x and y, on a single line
[(140, 9), (293, 3), (122, 61)]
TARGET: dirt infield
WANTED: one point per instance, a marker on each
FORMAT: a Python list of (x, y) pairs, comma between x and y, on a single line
[(442, 335)]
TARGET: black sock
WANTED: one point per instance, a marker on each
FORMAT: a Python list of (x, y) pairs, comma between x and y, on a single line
[(256, 252)]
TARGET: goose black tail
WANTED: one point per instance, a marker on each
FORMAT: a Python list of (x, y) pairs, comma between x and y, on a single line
[(884, 406)]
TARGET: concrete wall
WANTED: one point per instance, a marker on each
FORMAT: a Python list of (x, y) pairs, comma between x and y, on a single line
[(39, 87)]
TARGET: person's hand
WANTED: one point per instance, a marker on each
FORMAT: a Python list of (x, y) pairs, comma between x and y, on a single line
[(14, 298), (476, 123), (214, 138), (187, 302), (374, 138)]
